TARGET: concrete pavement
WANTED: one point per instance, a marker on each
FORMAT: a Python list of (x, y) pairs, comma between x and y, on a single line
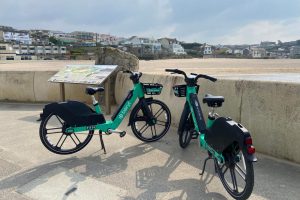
[(131, 169)]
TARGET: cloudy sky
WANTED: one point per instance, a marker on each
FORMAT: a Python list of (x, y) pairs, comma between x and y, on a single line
[(210, 21)]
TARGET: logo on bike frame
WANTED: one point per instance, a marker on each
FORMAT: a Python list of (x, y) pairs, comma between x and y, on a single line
[(124, 110)]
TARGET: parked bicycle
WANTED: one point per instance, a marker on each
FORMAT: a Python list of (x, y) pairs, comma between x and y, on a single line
[(67, 127), (227, 142)]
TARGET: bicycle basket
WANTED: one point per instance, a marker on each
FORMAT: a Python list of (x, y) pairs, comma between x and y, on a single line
[(152, 88), (180, 90)]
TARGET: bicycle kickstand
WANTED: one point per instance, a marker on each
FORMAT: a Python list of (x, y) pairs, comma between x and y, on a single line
[(203, 168), (102, 142)]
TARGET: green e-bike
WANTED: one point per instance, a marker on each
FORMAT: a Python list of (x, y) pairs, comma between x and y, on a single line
[(67, 127), (228, 143)]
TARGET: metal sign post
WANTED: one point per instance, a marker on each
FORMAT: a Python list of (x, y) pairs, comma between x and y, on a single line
[(87, 75)]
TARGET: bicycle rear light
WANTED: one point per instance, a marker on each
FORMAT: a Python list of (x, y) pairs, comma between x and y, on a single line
[(251, 149), (248, 141)]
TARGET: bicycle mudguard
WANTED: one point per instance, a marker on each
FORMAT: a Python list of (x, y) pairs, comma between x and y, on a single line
[(74, 113), (140, 103), (225, 132)]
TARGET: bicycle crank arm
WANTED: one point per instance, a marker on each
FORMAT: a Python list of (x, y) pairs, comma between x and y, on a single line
[(121, 133)]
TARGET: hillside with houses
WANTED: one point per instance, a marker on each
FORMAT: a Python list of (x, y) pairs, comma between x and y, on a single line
[(47, 44)]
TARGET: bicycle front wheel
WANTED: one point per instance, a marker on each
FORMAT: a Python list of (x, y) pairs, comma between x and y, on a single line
[(185, 134), (147, 132), (56, 140), (236, 174)]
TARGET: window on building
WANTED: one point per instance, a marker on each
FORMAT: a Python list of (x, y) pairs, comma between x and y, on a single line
[(2, 47), (10, 58)]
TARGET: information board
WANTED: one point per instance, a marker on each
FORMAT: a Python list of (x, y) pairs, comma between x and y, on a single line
[(83, 74)]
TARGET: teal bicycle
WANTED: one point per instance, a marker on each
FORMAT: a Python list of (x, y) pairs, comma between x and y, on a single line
[(67, 127), (228, 143)]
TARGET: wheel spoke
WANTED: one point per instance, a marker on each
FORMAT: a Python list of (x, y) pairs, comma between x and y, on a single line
[(73, 140), (240, 171), (160, 121), (53, 128), (59, 119), (233, 177), (142, 127), (77, 138), (62, 141), (156, 115), (151, 131), (225, 169), (154, 129), (53, 132), (147, 126), (59, 139)]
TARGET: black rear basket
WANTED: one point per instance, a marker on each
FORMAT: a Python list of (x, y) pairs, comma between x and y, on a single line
[(180, 90), (152, 88)]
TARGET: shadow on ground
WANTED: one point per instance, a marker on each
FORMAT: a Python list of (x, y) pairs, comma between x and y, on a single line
[(153, 181)]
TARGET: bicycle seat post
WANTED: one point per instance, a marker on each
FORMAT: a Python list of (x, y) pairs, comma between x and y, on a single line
[(212, 113), (95, 102)]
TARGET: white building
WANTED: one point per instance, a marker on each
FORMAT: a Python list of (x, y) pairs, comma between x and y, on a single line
[(29, 52), (207, 50), (135, 41), (172, 45), (15, 36), (12, 52), (177, 49), (258, 52), (106, 39)]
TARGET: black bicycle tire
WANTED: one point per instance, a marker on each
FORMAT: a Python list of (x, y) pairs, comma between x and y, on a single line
[(249, 180), (136, 110), (188, 132), (48, 145)]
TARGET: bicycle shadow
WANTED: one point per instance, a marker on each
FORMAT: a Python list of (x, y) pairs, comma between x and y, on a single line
[(95, 167), (155, 181)]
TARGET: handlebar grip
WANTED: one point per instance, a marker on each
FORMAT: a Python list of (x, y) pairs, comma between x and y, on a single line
[(170, 70), (209, 78)]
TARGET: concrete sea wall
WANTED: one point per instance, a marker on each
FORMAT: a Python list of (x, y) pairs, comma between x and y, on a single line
[(32, 86), (269, 110)]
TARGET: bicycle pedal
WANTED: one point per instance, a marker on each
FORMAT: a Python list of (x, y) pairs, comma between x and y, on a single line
[(122, 134)]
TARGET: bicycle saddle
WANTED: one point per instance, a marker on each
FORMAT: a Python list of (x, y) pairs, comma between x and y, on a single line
[(213, 101), (93, 90)]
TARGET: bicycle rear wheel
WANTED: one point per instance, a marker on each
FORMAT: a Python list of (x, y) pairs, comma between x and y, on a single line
[(236, 174), (56, 140)]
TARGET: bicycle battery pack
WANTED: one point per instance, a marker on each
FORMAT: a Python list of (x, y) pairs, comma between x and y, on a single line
[(225, 132), (74, 113)]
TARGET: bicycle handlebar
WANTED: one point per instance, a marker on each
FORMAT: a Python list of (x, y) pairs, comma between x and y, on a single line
[(133, 75), (127, 71), (205, 77), (177, 71)]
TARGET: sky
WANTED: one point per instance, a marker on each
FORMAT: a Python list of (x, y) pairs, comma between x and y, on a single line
[(209, 21)]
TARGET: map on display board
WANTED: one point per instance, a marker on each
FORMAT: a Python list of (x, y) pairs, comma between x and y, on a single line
[(83, 74)]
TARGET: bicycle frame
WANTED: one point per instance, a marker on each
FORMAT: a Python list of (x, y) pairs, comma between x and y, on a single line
[(137, 92), (191, 90)]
